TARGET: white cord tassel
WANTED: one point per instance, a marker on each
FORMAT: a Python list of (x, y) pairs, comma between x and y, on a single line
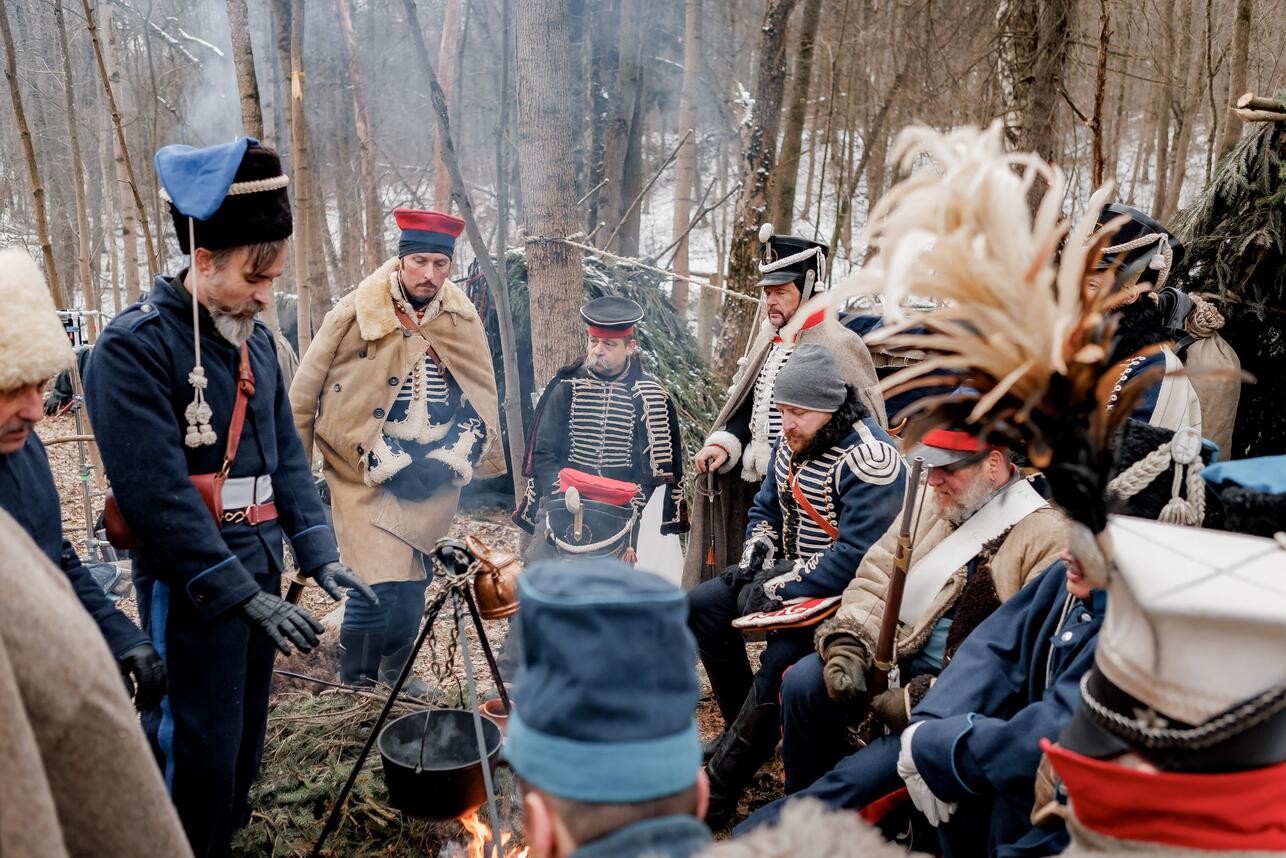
[(198, 413)]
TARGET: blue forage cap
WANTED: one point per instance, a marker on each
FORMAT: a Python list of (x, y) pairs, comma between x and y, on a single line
[(235, 193), (606, 695)]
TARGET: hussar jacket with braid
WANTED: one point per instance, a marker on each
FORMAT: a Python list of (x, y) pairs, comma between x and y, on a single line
[(624, 428), (853, 479)]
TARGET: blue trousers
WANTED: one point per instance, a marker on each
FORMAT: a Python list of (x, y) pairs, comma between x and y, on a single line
[(208, 732), (399, 612), (712, 606), (814, 727), (858, 779)]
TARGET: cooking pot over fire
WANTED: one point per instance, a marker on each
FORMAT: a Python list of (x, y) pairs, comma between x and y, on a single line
[(431, 764)]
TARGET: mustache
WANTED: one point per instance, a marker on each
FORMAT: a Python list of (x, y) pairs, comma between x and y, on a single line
[(17, 427), (247, 308)]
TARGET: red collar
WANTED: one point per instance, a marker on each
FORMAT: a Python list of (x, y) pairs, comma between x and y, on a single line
[(811, 322), (1227, 812)]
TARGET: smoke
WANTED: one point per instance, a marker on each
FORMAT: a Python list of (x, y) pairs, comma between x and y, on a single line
[(211, 109)]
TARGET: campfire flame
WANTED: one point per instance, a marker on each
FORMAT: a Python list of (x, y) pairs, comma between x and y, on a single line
[(480, 835)]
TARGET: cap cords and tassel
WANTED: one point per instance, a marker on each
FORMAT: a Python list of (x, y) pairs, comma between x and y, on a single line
[(198, 413)]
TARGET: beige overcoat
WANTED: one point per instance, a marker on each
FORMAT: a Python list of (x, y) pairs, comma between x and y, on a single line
[(1030, 547), (347, 382), (78, 776), (733, 495)]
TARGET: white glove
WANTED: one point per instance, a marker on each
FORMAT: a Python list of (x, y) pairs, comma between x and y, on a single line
[(934, 809)]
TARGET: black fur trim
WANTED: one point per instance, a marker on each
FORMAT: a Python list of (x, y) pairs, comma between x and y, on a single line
[(839, 427), (1140, 325), (1253, 512), (978, 599), (918, 687)]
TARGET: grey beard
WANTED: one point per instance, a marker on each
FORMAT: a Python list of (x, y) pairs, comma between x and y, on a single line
[(973, 500), (234, 329)]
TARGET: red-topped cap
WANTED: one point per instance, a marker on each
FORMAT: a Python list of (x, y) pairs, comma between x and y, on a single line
[(428, 221)]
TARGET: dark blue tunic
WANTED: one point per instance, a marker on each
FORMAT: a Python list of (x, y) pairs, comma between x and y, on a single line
[(1014, 681), (28, 493), (191, 574)]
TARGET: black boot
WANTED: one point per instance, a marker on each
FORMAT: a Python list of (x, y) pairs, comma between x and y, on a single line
[(391, 668), (743, 748), (359, 656), (730, 681)]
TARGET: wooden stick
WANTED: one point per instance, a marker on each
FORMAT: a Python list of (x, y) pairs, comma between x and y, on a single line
[(1259, 115), (1258, 102)]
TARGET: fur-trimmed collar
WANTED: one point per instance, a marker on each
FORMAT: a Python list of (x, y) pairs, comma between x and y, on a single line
[(373, 303)]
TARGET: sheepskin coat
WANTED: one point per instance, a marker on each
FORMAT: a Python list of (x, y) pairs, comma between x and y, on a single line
[(1029, 547), (346, 384), (809, 828), (78, 778)]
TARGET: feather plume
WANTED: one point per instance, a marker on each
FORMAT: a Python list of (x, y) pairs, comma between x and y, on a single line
[(1010, 316)]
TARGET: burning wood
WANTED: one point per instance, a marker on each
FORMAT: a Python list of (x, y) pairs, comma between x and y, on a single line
[(480, 839)]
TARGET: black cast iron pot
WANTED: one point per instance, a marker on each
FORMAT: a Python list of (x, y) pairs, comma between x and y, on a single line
[(435, 773)]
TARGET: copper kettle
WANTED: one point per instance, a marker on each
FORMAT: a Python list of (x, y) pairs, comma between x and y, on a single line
[(495, 585)]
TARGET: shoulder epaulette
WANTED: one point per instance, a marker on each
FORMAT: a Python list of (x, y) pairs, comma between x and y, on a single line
[(874, 461), (135, 315)]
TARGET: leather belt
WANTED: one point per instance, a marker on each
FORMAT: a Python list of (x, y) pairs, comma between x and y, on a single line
[(248, 500)]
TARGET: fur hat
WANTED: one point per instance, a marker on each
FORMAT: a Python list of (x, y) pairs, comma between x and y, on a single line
[(33, 345)]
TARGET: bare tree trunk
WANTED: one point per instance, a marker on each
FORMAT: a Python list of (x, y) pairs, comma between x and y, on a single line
[(374, 246), (554, 272), (87, 284), (1162, 106), (783, 208), (107, 175), (759, 158), (622, 128), (244, 59), (33, 170), (685, 166), (1100, 84), (305, 260), (447, 52), (1237, 72), (1195, 59), (122, 157), (1053, 27), (708, 307)]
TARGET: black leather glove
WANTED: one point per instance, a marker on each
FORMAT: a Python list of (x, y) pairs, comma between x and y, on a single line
[(144, 674), (334, 575), (758, 599), (323, 490), (281, 620), (754, 555), (846, 664)]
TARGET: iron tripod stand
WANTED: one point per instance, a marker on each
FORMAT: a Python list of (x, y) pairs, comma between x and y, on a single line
[(456, 563)]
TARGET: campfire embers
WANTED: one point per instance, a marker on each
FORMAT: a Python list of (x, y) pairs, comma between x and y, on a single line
[(480, 835), (431, 763)]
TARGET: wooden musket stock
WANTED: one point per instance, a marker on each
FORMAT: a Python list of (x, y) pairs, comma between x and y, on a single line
[(885, 650)]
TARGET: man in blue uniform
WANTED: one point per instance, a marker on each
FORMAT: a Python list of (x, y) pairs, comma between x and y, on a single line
[(207, 471), (33, 347), (836, 484), (603, 737)]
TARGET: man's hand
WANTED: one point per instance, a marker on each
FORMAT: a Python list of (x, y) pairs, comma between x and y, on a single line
[(711, 457), (934, 809), (760, 599), (846, 665), (334, 575), (281, 621), (144, 674), (891, 708)]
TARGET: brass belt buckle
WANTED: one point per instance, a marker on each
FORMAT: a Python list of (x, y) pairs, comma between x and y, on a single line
[(235, 517)]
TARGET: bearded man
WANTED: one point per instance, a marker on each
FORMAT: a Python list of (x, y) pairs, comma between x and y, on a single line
[(190, 414), (836, 484), (398, 395), (738, 451), (983, 534)]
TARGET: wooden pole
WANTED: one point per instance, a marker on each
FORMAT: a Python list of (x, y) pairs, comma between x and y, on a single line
[(243, 58), (120, 138), (33, 169)]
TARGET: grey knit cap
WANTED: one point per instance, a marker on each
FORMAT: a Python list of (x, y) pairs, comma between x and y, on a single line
[(810, 379)]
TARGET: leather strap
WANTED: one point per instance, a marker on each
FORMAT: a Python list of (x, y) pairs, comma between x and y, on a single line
[(827, 528), (245, 390), (410, 325)]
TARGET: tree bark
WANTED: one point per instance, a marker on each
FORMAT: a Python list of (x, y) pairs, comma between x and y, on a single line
[(374, 245), (1098, 166), (1237, 72), (1195, 61), (685, 166), (1044, 94), (124, 165), (305, 259), (554, 272), (758, 160), (622, 127), (33, 169), (447, 53), (87, 284), (787, 176), (244, 59), (1162, 107)]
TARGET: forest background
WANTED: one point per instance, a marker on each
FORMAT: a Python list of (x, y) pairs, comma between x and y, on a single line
[(661, 131)]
